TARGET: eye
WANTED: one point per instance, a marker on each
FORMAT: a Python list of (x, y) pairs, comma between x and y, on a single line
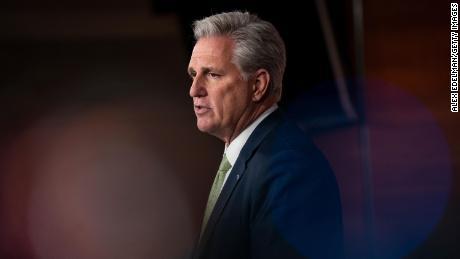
[(213, 75)]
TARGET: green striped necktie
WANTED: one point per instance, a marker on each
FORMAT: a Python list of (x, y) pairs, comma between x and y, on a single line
[(215, 190)]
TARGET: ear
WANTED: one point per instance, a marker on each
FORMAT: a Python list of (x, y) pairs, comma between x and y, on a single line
[(260, 86)]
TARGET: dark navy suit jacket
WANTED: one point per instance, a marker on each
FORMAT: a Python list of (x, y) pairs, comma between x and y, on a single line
[(281, 200)]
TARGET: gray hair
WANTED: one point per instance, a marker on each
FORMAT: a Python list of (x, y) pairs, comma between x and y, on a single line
[(257, 44)]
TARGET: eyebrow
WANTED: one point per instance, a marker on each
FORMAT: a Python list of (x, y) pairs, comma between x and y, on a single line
[(204, 70)]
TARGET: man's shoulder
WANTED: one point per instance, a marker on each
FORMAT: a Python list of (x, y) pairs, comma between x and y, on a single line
[(279, 138), (287, 135), (287, 148)]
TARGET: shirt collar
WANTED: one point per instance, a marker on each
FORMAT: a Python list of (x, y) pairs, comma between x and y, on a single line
[(233, 150)]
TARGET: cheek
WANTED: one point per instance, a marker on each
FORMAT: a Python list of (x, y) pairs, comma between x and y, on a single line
[(240, 97), (236, 103), (230, 99), (221, 101)]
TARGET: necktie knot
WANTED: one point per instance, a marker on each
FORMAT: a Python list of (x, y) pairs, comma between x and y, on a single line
[(224, 165)]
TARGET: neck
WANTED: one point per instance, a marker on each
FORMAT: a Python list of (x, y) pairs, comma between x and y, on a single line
[(247, 119)]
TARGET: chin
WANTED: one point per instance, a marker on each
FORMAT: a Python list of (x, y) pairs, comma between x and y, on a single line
[(204, 127)]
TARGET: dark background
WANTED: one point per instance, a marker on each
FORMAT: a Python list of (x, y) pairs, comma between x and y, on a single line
[(100, 156)]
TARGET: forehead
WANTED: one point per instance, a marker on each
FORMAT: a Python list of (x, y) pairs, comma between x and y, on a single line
[(220, 47)]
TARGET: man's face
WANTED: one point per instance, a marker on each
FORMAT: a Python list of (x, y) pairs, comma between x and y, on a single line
[(220, 94)]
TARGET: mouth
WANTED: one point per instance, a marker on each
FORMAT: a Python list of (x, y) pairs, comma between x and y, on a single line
[(199, 109)]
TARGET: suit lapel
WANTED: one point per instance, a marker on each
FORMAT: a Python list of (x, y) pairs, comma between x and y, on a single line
[(239, 169)]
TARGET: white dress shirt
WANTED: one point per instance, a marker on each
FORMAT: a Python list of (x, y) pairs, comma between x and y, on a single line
[(232, 151)]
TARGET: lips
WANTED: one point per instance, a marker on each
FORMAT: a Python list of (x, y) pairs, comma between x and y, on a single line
[(201, 109)]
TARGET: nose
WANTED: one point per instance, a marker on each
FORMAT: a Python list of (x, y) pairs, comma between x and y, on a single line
[(197, 89)]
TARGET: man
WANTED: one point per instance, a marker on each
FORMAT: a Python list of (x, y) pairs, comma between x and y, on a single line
[(274, 195)]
